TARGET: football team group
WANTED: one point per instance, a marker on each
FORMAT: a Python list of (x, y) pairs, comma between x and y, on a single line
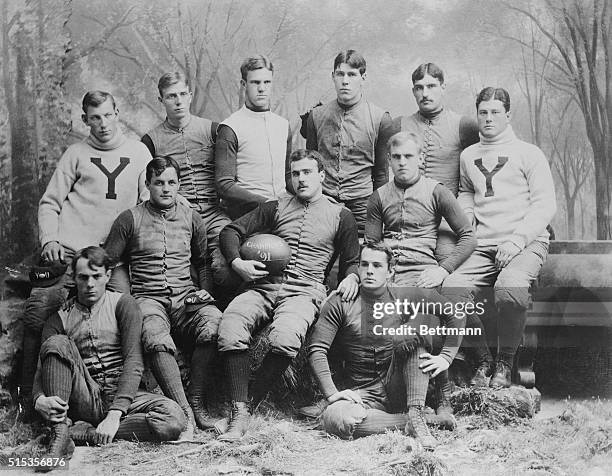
[(141, 254)]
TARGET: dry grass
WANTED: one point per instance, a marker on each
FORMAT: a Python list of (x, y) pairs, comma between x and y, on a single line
[(577, 442)]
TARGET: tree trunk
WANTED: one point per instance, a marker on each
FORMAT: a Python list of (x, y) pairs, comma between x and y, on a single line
[(23, 155), (571, 219), (602, 194)]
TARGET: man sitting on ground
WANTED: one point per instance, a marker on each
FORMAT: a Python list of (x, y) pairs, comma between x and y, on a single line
[(91, 365)]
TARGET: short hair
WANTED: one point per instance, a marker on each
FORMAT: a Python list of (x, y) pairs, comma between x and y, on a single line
[(253, 63), (170, 79), (96, 256), (491, 94), (402, 137), (430, 69), (96, 98), (300, 154), (379, 246), (159, 164), (352, 58)]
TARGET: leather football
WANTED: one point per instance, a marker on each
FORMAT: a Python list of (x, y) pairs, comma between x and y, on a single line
[(271, 250)]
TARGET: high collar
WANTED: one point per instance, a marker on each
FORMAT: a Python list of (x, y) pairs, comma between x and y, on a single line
[(116, 141), (430, 116), (352, 106), (371, 295), (174, 128), (308, 202), (94, 308), (404, 186), (160, 211), (504, 137), (252, 113)]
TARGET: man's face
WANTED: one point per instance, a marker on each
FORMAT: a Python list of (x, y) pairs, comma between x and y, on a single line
[(348, 82), (176, 99), (429, 94), (163, 188), (492, 118), (374, 269), (405, 160), (102, 120), (90, 281), (306, 179), (258, 89)]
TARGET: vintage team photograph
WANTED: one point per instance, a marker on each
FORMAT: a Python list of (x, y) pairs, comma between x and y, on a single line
[(306, 237)]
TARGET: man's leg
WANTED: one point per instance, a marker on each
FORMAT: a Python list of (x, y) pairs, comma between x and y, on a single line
[(200, 328), (160, 348), (512, 300), (477, 271), (63, 374), (293, 315), (244, 315), (446, 242), (152, 417), (40, 305), (359, 209)]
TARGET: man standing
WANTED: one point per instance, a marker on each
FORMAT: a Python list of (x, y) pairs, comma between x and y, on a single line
[(91, 365), (506, 189), (351, 135), (190, 140), (252, 144), (317, 230), (387, 376), (94, 181), (160, 238)]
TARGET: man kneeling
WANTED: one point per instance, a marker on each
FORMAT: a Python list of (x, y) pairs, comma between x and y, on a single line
[(91, 365), (383, 371)]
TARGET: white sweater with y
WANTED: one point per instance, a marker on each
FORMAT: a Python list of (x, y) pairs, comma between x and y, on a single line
[(90, 187), (506, 187)]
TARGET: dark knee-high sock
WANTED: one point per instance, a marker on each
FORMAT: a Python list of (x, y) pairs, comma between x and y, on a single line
[(238, 372), (56, 377), (201, 362), (268, 373), (135, 427), (477, 344), (377, 421), (31, 349), (415, 380), (510, 327), (442, 388), (168, 377)]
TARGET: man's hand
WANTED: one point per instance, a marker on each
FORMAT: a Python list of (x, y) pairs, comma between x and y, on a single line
[(107, 429), (347, 394), (432, 277), (349, 287), (505, 253), (53, 251), (433, 363), (249, 270), (52, 408)]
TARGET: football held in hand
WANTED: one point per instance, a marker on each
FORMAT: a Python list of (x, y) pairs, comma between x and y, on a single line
[(271, 250)]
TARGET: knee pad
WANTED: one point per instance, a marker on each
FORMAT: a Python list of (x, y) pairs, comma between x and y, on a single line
[(515, 298)]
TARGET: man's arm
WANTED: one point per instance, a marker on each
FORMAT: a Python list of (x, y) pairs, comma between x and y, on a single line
[(543, 204), (146, 140), (259, 220), (143, 191), (450, 209), (380, 171), (347, 242), (325, 329), (226, 149), (199, 246), (129, 318), (468, 131), (466, 192), (119, 237), (52, 201), (288, 184), (374, 222), (312, 143)]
